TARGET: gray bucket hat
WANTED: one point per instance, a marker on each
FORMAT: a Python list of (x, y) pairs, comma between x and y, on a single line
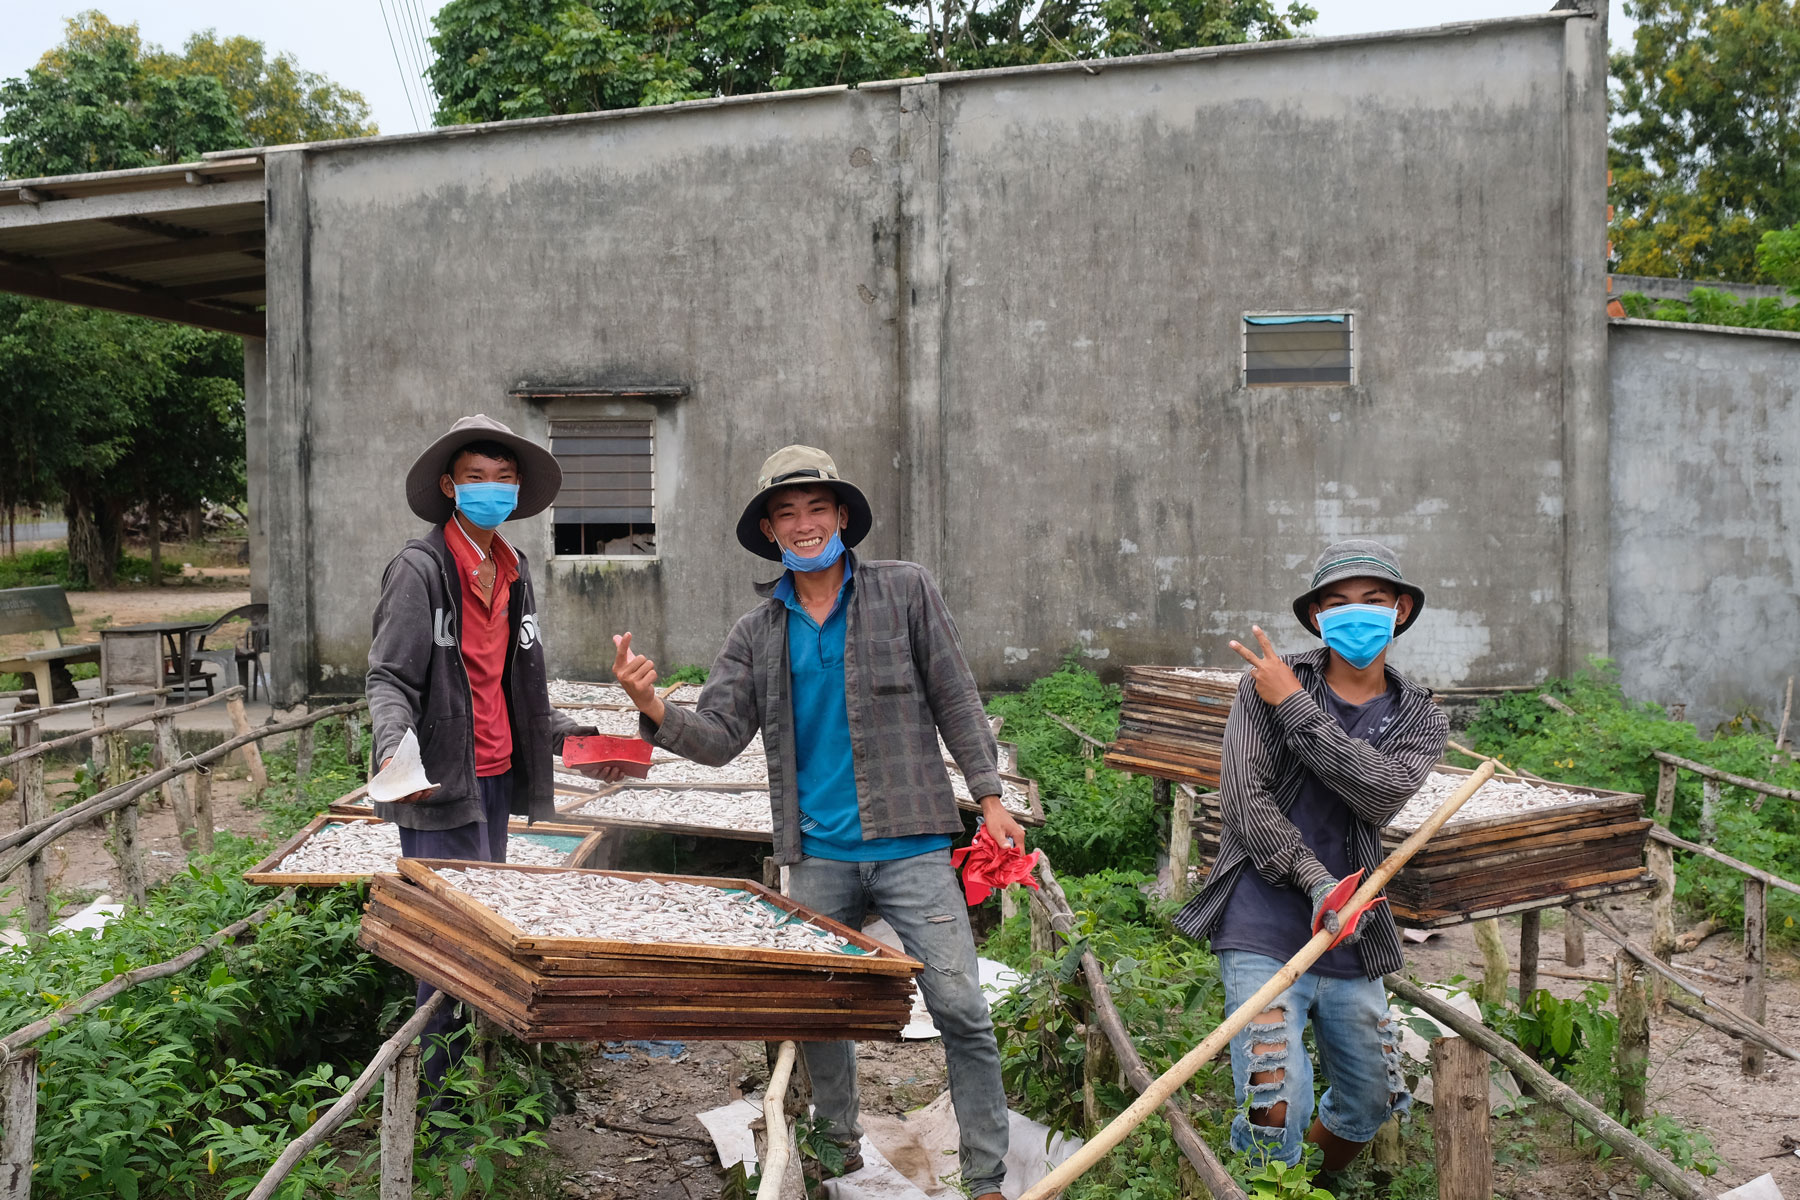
[(1354, 559), (787, 467), (540, 478)]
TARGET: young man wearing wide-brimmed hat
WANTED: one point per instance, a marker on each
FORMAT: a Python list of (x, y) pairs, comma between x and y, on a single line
[(1321, 750), (457, 658), (851, 668)]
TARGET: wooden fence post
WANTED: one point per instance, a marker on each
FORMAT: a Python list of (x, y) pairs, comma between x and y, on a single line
[(303, 754), (1493, 954), (1181, 841), (174, 789), (1531, 928), (1756, 932), (240, 725), (128, 852), (203, 813), (1662, 868), (18, 1113), (1459, 1120), (1043, 932), (98, 755), (1709, 811), (1574, 940), (28, 776), (1633, 1055), (1099, 1067), (399, 1124), (1388, 1151), (352, 739)]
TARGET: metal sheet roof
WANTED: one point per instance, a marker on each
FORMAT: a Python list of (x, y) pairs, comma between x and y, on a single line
[(179, 243)]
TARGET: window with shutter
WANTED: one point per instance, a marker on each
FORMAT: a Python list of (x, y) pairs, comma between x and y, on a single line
[(607, 505), (1289, 349)]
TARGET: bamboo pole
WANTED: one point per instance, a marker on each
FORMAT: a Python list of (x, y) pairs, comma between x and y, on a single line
[(1550, 1089), (1171, 1080), (1746, 1028), (18, 1039), (775, 1164), (346, 1105), (39, 713), (1531, 928), (1213, 1176), (1181, 840), (203, 813), (154, 715), (240, 725), (1756, 933), (18, 1114), (399, 1124), (34, 806), (1662, 869), (1633, 1051), (1713, 773), (1658, 833), (1493, 955)]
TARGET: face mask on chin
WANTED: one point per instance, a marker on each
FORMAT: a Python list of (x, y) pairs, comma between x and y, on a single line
[(822, 561), (1358, 633)]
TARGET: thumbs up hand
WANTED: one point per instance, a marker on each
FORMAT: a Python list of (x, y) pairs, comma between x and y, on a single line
[(637, 675)]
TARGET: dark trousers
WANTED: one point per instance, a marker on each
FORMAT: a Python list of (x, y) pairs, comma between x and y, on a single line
[(478, 841)]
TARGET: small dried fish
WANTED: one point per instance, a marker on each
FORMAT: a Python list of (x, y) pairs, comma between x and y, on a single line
[(1224, 678), (1498, 797), (365, 847), (747, 811), (567, 904)]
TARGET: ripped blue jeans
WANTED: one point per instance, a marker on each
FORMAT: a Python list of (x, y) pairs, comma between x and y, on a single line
[(922, 899), (1359, 1052)]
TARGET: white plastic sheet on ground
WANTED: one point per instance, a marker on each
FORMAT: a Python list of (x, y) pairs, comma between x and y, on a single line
[(904, 1158), (1761, 1188), (404, 774), (1503, 1089), (997, 980), (91, 919)]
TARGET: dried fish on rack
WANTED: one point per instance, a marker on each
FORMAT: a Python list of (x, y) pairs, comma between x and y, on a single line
[(338, 847), (1172, 723), (676, 957), (565, 693), (691, 810), (1515, 845)]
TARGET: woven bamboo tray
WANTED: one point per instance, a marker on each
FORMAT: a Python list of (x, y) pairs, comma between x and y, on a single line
[(583, 841)]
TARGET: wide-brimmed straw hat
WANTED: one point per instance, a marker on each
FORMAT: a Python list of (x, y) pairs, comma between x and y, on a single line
[(1355, 559), (787, 467), (540, 478)]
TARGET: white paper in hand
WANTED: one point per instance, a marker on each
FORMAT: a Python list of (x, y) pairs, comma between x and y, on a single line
[(403, 775)]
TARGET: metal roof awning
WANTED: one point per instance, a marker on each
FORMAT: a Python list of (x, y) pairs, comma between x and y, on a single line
[(182, 243)]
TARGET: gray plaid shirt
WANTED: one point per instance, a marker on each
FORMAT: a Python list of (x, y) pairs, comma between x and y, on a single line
[(1268, 752), (906, 680)]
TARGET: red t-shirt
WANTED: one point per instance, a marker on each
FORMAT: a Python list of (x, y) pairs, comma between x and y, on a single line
[(486, 628)]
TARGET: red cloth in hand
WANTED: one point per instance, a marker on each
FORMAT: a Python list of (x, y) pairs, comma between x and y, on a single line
[(987, 865)]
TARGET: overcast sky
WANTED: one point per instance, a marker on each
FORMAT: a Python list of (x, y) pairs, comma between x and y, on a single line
[(375, 46)]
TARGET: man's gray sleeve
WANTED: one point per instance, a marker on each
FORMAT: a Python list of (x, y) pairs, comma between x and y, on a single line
[(950, 689), (721, 724), (399, 656)]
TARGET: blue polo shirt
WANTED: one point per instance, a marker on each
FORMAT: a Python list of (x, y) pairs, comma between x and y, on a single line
[(830, 825)]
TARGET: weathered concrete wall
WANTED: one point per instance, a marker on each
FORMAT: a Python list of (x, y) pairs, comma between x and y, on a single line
[(1010, 304), (1706, 516)]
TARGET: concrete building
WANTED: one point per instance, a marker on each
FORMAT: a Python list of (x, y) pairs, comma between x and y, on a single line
[(1114, 347)]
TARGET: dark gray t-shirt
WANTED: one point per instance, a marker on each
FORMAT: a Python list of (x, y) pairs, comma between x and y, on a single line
[(1276, 920)]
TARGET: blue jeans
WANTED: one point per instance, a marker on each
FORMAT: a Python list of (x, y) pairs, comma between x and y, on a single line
[(922, 900), (478, 841), (1359, 1050)]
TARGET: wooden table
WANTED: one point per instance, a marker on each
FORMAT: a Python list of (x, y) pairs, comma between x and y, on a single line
[(133, 655)]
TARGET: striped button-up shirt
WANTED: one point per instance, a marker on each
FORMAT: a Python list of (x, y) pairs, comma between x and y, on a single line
[(1269, 749)]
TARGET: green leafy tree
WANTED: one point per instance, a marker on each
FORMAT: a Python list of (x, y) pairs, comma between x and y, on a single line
[(1778, 257), (276, 99), (967, 36), (1706, 140)]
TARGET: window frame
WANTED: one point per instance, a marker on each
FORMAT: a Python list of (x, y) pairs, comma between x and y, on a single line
[(1352, 322), (571, 411)]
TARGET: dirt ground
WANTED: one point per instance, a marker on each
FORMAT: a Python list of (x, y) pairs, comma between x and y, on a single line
[(632, 1131), (134, 606)]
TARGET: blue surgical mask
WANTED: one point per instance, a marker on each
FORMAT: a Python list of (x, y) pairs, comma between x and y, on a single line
[(487, 504), (822, 561), (1358, 632)]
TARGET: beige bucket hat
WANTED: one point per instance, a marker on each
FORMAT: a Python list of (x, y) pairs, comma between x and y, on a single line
[(792, 465), (540, 478)]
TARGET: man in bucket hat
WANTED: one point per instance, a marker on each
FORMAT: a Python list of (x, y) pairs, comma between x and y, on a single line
[(1321, 750), (851, 668), (457, 659)]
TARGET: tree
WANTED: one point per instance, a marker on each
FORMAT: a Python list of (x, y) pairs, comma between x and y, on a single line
[(1778, 258), (497, 59), (277, 100), (1706, 140)]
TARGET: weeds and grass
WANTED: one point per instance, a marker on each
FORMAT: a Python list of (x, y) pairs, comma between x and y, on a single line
[(1608, 743), (1715, 306)]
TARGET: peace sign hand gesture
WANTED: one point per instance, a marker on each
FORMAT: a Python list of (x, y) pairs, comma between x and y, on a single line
[(1274, 679)]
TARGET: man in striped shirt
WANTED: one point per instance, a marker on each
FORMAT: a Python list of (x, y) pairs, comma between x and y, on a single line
[(1321, 750)]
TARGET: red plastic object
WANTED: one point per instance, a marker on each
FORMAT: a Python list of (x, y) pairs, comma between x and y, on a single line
[(987, 866), (1347, 918), (630, 755)]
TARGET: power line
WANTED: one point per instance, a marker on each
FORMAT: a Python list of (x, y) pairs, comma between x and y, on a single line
[(392, 45), (422, 49)]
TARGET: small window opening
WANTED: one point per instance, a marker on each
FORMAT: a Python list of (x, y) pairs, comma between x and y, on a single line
[(1294, 349), (607, 504)]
